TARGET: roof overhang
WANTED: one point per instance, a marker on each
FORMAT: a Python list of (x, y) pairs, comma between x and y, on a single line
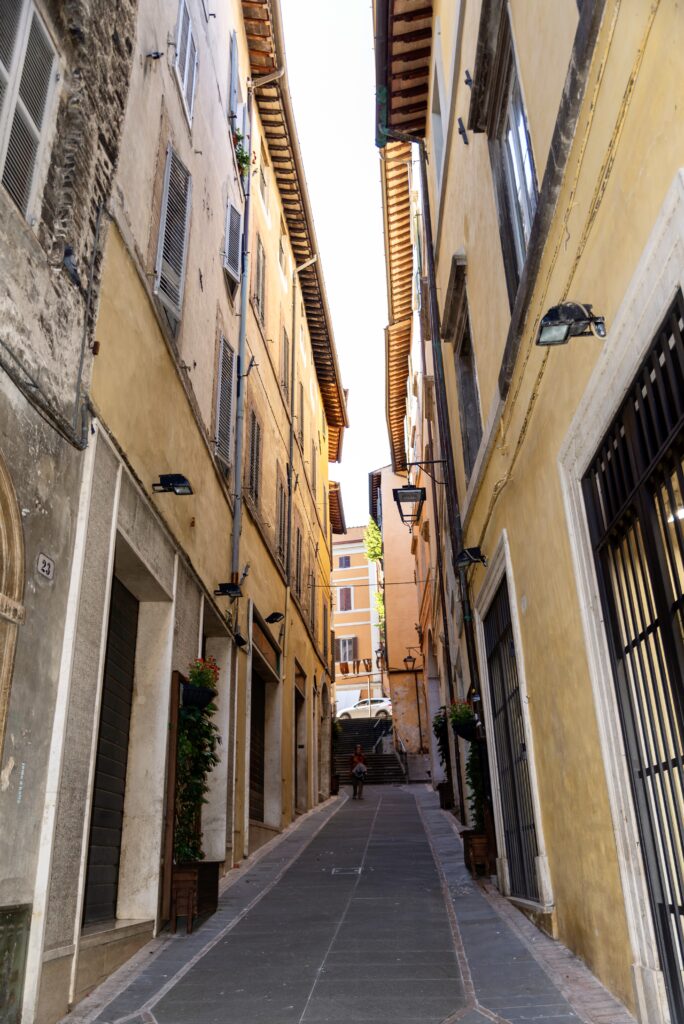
[(336, 508), (263, 26), (395, 165), (403, 54)]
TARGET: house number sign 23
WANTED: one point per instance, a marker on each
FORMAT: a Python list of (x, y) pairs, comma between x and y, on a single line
[(46, 567)]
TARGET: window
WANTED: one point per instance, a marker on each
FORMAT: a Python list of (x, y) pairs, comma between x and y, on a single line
[(186, 61), (314, 468), (169, 271), (345, 599), (260, 281), (232, 252), (312, 602), (300, 415), (254, 467), (233, 82), (346, 648), (281, 519), (469, 399), (224, 403), (285, 365), (298, 563), (437, 128), (345, 561), (27, 73), (282, 258), (326, 628), (497, 108), (325, 506), (263, 179)]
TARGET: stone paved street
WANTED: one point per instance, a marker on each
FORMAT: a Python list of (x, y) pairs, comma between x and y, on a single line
[(363, 912)]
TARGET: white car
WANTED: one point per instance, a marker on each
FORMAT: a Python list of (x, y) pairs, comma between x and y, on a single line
[(376, 707)]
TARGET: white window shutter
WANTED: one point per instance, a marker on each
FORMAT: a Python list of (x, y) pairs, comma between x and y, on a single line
[(224, 403), (29, 110), (234, 77), (191, 77), (232, 254), (169, 278), (182, 40)]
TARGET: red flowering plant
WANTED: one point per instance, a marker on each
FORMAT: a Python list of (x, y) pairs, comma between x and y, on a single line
[(203, 672)]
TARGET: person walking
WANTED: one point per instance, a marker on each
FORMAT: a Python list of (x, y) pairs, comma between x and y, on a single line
[(358, 770)]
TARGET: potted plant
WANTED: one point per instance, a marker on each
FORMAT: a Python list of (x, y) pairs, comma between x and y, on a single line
[(440, 728), (463, 720), (200, 688), (198, 738), (475, 839), (241, 152)]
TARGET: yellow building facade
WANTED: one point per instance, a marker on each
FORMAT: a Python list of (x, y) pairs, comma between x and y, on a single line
[(554, 137), (356, 621), (216, 408)]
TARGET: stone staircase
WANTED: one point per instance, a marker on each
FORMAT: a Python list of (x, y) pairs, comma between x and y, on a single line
[(374, 734)]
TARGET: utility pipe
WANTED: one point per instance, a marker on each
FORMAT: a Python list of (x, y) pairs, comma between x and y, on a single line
[(242, 342)]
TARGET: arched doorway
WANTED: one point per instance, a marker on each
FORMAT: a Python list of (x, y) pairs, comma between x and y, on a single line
[(11, 587), (324, 745)]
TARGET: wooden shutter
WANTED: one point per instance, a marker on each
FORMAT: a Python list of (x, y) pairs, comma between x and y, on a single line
[(186, 58), (298, 562), (169, 279), (254, 456), (314, 461), (301, 413), (338, 650), (233, 243), (234, 77), (30, 102), (224, 403), (355, 648)]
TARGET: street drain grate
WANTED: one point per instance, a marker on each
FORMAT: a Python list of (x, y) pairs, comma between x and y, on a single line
[(346, 871)]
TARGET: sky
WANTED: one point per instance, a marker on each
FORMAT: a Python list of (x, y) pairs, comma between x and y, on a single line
[(331, 71)]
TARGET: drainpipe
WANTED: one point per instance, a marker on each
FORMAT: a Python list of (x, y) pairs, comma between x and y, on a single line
[(242, 343)]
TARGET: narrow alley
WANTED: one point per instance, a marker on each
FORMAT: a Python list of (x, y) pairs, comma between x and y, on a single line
[(362, 912)]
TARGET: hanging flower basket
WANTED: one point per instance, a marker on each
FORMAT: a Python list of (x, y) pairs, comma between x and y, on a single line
[(197, 696), (463, 721)]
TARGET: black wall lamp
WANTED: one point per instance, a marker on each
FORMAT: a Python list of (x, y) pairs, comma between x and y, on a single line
[(239, 639), (231, 590), (409, 500), (470, 556), (172, 483), (275, 617), (569, 320)]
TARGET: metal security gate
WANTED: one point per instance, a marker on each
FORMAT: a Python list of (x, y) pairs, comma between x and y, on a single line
[(634, 493), (106, 824), (520, 834), (257, 749)]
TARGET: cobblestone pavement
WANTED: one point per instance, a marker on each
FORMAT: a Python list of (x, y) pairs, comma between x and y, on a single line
[(362, 913)]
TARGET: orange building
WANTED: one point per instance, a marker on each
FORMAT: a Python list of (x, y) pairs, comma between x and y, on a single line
[(356, 621)]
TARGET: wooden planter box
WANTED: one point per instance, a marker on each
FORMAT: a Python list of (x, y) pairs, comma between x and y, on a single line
[(194, 891), (476, 853)]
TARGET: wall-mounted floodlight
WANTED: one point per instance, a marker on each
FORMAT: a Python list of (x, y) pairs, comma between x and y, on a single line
[(470, 556), (275, 617), (409, 500), (172, 483), (239, 639), (569, 320), (231, 590)]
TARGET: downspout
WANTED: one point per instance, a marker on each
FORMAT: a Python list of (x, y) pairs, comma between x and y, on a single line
[(242, 342), (290, 465)]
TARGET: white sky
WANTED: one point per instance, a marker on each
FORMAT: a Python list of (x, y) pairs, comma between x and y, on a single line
[(331, 70)]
